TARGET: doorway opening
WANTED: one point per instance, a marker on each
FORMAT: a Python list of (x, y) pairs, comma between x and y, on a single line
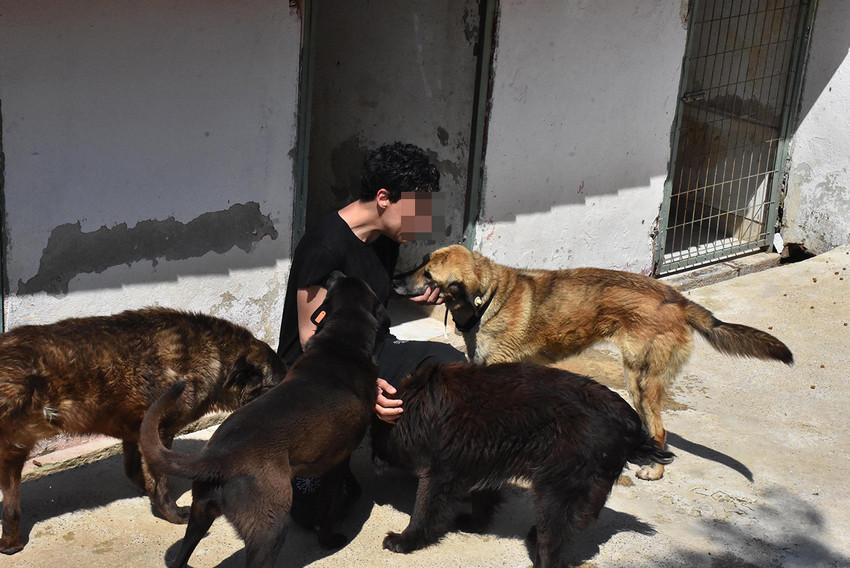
[(388, 71)]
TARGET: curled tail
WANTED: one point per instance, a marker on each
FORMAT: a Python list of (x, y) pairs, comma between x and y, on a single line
[(157, 456), (736, 339)]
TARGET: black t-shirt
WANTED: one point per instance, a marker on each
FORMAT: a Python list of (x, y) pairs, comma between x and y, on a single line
[(330, 245)]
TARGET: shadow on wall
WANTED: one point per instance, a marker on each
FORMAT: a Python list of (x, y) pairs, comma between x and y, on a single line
[(71, 252), (830, 45), (627, 155)]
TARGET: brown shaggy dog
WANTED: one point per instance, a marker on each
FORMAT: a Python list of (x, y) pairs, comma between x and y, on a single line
[(509, 314), (100, 374), (470, 429), (303, 427)]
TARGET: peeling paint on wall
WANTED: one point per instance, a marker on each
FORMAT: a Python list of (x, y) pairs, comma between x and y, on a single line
[(821, 203), (443, 136), (70, 251), (471, 25), (447, 167)]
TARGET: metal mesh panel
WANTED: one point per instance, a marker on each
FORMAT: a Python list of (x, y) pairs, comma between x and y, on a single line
[(729, 150)]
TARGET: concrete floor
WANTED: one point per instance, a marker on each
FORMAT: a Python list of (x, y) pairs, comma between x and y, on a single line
[(759, 478)]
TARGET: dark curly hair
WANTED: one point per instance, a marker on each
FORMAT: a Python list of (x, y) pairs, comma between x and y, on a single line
[(398, 167)]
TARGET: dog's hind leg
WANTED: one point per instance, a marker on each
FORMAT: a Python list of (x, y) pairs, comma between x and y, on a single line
[(431, 517), (561, 508), (484, 504), (332, 503), (647, 392), (647, 378), (260, 514), (264, 548), (133, 464), (204, 511), (549, 531), (11, 463)]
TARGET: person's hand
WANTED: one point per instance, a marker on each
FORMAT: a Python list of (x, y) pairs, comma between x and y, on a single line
[(429, 297), (387, 409)]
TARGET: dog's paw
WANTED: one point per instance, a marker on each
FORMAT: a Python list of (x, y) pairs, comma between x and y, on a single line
[(399, 543), (650, 472), (10, 546), (332, 541)]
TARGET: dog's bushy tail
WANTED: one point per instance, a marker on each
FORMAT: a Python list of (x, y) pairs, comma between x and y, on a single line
[(157, 456), (736, 339)]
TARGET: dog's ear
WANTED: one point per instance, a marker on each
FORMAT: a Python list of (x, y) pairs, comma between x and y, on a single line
[(479, 282), (242, 375), (334, 277), (460, 305), (383, 317), (468, 288)]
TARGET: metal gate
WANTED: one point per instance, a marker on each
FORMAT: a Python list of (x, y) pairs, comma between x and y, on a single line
[(739, 83)]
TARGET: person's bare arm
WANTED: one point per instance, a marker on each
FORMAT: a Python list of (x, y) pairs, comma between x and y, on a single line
[(306, 301)]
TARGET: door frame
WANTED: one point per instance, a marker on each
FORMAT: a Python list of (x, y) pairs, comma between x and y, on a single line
[(793, 93), (485, 49)]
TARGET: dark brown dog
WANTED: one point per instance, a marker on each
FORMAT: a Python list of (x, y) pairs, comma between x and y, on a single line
[(509, 314), (473, 428), (100, 375), (303, 427)]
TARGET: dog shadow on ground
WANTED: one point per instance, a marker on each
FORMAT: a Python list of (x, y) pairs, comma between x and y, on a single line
[(790, 530), (515, 517), (397, 489), (706, 453), (301, 547), (512, 520), (71, 490)]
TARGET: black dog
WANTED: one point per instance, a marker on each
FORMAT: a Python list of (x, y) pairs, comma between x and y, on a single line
[(472, 428), (303, 427)]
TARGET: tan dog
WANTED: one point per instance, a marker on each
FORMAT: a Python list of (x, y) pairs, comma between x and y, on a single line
[(508, 314), (100, 374)]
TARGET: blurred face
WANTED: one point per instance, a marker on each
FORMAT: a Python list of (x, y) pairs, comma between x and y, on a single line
[(415, 215)]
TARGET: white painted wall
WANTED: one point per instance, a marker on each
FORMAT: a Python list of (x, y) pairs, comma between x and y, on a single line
[(121, 115), (817, 204), (583, 103), (157, 115)]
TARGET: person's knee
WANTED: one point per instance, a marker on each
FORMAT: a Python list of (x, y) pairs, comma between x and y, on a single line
[(443, 353)]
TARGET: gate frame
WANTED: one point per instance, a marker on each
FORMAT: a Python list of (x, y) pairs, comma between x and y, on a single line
[(791, 104)]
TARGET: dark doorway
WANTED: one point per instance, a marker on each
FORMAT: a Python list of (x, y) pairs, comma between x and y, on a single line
[(383, 71)]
